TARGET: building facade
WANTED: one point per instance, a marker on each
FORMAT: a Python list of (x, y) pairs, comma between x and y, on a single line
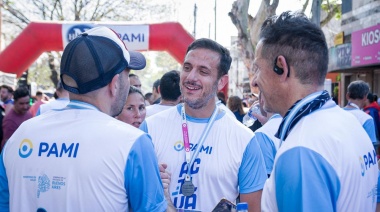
[(356, 54)]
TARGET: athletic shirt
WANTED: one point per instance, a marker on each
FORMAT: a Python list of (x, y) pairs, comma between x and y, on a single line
[(269, 143), (365, 120), (156, 108), (327, 163), (53, 105), (79, 159), (229, 162)]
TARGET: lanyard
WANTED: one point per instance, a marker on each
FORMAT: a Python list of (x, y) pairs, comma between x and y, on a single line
[(186, 142), (354, 105)]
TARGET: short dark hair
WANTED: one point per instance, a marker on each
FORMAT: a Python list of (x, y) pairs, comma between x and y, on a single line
[(300, 41), (148, 95), (9, 88), (20, 93), (39, 93), (156, 84), (225, 57), (169, 86), (358, 89), (370, 97)]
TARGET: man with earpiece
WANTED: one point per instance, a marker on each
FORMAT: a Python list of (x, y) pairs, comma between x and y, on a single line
[(325, 160)]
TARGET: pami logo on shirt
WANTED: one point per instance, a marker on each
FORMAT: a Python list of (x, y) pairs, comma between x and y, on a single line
[(58, 150), (26, 148), (178, 146), (367, 160)]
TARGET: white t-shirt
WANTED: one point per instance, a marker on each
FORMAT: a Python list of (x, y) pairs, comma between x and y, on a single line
[(52, 105), (327, 163), (229, 161), (366, 121), (79, 159), (156, 108), (269, 143)]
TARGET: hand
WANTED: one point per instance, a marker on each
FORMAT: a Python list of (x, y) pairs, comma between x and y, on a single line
[(262, 119), (165, 178)]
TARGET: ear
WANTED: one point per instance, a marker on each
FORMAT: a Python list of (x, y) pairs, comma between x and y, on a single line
[(283, 63), (222, 82), (114, 85), (159, 89), (347, 95)]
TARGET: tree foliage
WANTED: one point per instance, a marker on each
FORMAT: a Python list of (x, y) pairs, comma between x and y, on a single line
[(18, 14), (249, 27)]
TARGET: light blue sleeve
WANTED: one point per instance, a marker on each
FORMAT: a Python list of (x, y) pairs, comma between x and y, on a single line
[(378, 187), (38, 111), (305, 181), (144, 127), (4, 190), (252, 174), (268, 150), (142, 178), (369, 127)]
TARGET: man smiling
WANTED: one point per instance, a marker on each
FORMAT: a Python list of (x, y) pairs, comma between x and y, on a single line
[(211, 155)]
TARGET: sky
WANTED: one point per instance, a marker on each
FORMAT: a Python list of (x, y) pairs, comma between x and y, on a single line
[(205, 24)]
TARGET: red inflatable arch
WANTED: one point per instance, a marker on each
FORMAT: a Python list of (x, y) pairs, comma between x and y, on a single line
[(39, 37)]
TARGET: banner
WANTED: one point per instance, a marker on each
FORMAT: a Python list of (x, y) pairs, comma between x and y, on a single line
[(366, 46), (135, 37)]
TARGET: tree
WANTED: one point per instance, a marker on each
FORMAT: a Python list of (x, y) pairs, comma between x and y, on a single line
[(17, 15), (249, 27)]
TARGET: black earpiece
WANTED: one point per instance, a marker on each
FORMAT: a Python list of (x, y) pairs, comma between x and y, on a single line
[(277, 69)]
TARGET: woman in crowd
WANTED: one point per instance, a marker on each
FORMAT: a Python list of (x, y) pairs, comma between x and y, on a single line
[(134, 109), (236, 106)]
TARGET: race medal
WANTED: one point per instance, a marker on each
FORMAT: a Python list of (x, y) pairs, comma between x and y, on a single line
[(187, 188)]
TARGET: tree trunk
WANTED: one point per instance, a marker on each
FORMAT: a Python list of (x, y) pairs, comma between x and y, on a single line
[(249, 28)]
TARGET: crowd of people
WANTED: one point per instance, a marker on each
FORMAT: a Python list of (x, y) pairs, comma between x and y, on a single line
[(104, 145)]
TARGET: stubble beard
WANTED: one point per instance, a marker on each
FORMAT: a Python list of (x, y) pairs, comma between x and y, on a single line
[(202, 101), (121, 98)]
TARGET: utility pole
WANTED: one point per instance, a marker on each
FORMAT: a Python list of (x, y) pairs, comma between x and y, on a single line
[(215, 21), (209, 30), (316, 12), (195, 20)]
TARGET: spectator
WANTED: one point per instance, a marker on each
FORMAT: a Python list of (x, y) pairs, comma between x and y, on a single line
[(372, 109), (17, 115), (170, 93), (320, 165), (356, 95), (135, 81), (60, 102), (225, 161), (38, 102), (221, 97), (236, 106), (134, 110), (156, 92), (81, 156), (149, 97), (6, 94)]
